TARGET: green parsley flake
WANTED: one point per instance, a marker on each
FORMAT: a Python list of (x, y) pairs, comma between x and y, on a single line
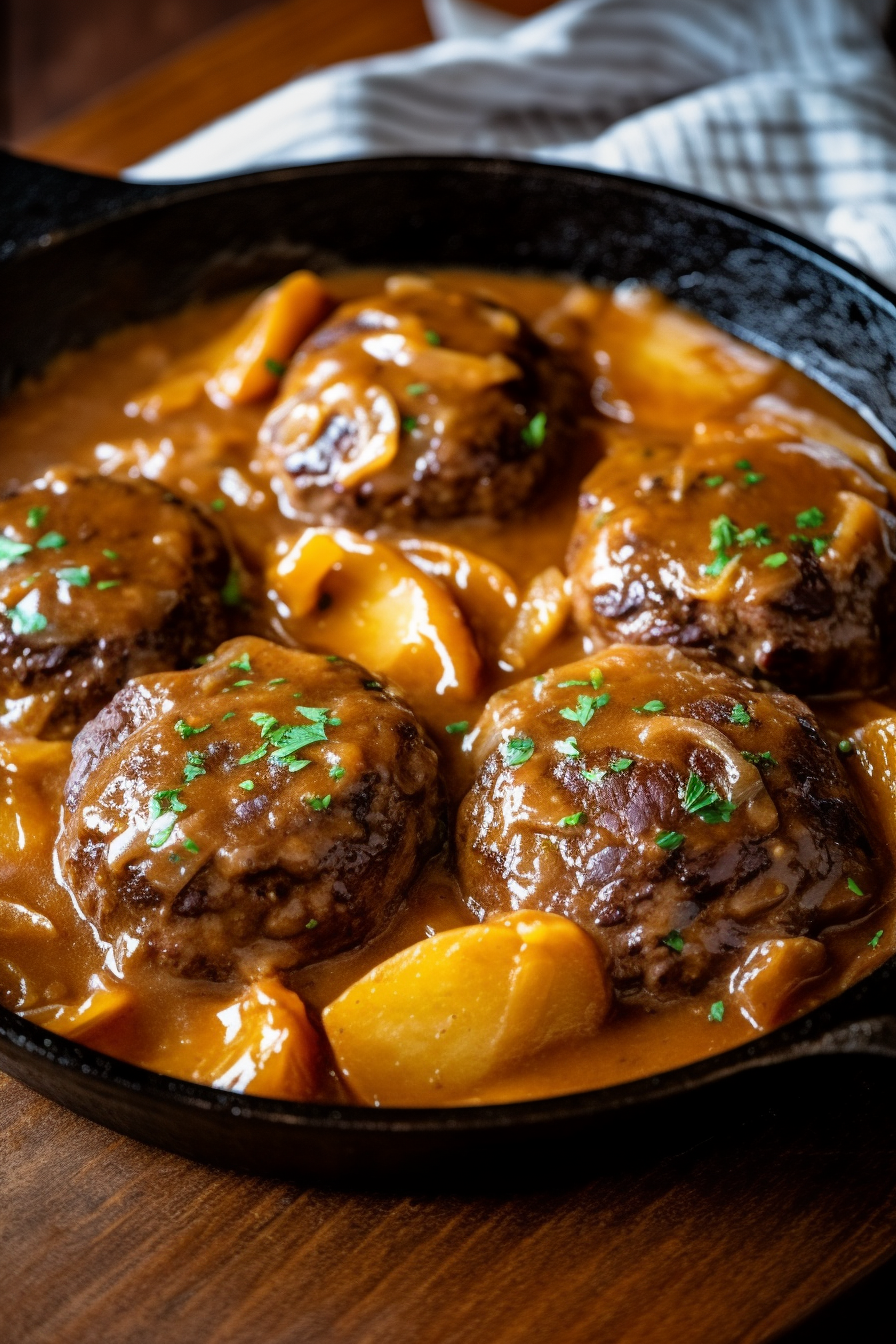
[(717, 1011), (277, 681), (740, 715), (622, 764), (219, 505), (37, 515), (650, 707), (569, 747), (743, 464), (432, 338), (701, 800), (754, 477), (813, 517), (775, 561), (722, 533), (312, 924), (231, 715), (194, 767), (319, 804), (575, 819), (760, 535), (78, 576), (186, 730), (164, 801), (11, 550), (854, 887), (670, 840), (845, 747), (372, 685), (275, 367), (159, 834), (585, 707), (104, 584), (416, 389), (409, 423), (51, 541), (253, 755), (232, 593), (714, 481), (460, 727), (244, 681), (594, 776), (759, 758), (110, 555), (26, 622), (337, 771), (247, 784), (533, 434), (242, 663), (873, 942), (517, 750), (674, 939)]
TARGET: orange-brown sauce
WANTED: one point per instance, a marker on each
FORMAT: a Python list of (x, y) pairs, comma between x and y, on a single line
[(49, 955)]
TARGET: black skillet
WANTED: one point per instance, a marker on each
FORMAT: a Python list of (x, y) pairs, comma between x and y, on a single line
[(80, 256)]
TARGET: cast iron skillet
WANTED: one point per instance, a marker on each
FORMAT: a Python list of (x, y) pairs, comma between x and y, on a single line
[(80, 256)]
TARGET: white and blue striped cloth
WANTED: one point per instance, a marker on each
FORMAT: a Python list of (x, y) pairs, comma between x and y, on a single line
[(787, 107)]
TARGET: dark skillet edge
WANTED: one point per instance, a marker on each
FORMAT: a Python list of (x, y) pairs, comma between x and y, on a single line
[(54, 207)]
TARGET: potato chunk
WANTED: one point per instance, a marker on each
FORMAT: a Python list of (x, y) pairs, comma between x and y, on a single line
[(439, 1021), (772, 973)]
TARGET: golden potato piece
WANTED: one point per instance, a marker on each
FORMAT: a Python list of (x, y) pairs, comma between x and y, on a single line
[(31, 773), (443, 1019), (362, 599), (485, 593), (542, 615), (772, 973), (88, 1021), (875, 744)]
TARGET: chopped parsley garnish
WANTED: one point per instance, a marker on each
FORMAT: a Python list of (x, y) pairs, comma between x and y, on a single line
[(319, 804), (594, 776), (722, 533), (166, 800), (194, 767), (37, 515), (186, 730), (275, 367), (759, 758), (409, 423), (253, 755), (192, 846), (760, 535), (290, 738), (649, 707), (276, 681), (312, 924), (743, 464), (247, 784), (219, 505), (26, 622), (533, 434), (108, 583), (622, 764), (845, 747), (673, 939), (585, 707), (230, 715), (13, 550), (78, 575), (717, 1011), (569, 747), (854, 887), (460, 727), (244, 681), (701, 800), (873, 942), (739, 714), (670, 840), (317, 715), (232, 593), (754, 477), (416, 389), (432, 338), (775, 561), (575, 819), (517, 750), (51, 541), (160, 833), (714, 481), (372, 685), (813, 517), (333, 658), (242, 663), (596, 680), (337, 771), (110, 555)]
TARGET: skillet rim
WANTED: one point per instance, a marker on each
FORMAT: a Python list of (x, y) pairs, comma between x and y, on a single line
[(829, 1028)]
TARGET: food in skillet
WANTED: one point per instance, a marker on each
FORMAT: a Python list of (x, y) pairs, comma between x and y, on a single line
[(238, 912), (679, 813), (421, 401), (772, 548), (102, 580), (264, 810)]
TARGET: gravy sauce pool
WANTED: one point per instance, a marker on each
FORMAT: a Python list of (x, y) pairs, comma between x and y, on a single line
[(50, 956)]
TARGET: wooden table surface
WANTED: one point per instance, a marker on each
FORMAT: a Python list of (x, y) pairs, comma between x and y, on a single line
[(732, 1232)]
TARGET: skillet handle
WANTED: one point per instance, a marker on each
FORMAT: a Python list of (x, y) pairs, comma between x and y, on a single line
[(38, 202)]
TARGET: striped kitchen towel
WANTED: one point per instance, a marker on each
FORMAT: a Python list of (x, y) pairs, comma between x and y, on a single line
[(787, 107)]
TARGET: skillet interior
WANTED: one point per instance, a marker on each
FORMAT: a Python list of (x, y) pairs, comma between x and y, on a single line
[(80, 256)]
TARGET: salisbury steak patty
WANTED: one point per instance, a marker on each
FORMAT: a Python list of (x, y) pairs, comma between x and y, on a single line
[(764, 544), (100, 580), (676, 811), (264, 811), (420, 401)]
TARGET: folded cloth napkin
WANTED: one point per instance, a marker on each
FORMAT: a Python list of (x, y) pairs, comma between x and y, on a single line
[(787, 107)]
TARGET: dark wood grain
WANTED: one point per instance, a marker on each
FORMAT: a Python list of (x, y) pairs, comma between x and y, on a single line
[(727, 1236)]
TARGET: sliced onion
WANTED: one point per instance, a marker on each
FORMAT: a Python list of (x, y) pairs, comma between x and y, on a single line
[(746, 787)]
